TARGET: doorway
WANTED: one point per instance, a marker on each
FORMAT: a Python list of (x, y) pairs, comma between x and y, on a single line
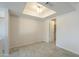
[(52, 31)]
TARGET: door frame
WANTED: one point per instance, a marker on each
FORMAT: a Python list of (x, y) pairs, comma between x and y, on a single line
[(53, 19)]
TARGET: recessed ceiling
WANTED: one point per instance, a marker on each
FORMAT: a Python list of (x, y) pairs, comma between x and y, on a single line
[(16, 8), (38, 10)]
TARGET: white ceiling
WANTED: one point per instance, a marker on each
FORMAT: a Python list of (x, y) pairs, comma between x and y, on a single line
[(37, 10), (61, 7), (16, 8)]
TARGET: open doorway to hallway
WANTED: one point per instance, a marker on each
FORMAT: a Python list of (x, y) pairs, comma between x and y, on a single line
[(52, 31)]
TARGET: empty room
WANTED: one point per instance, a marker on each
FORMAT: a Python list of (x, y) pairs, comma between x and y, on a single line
[(39, 29)]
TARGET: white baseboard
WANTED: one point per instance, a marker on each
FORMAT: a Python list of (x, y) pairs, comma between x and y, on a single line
[(23, 44), (67, 49), (46, 41)]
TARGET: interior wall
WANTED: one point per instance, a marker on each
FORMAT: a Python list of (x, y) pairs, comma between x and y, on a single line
[(25, 30), (4, 34), (46, 31), (68, 31)]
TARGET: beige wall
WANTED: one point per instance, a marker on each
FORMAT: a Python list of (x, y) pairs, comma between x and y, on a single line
[(25, 30)]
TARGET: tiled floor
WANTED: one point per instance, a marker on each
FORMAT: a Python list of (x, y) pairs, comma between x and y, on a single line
[(41, 49)]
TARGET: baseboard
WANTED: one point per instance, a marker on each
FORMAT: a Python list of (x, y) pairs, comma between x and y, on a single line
[(66, 49), (46, 41), (24, 45)]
